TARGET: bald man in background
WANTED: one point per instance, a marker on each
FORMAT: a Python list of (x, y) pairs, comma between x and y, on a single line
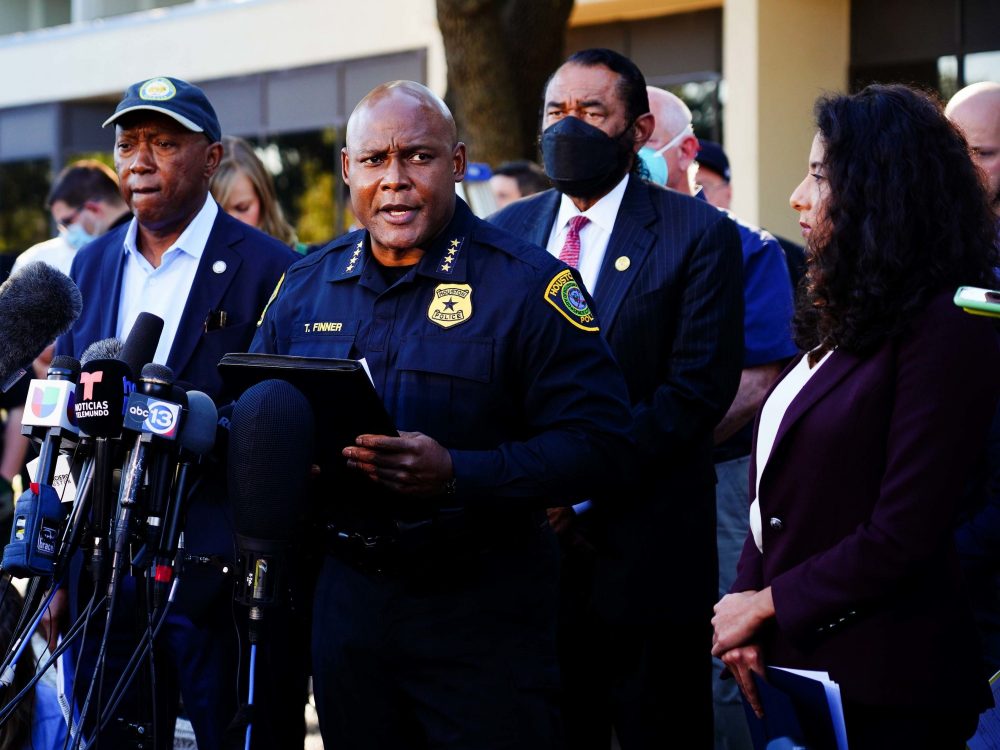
[(673, 140), (438, 630), (976, 111)]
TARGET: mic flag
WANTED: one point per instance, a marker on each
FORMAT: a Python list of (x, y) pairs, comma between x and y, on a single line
[(37, 305), (270, 453), (100, 397)]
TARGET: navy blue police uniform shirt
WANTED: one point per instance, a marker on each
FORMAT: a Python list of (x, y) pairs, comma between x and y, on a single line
[(488, 344)]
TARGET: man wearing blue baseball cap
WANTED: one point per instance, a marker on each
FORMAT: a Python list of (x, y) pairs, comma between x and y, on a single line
[(208, 276)]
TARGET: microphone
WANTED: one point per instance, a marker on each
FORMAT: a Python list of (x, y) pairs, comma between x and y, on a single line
[(105, 383), (155, 420), (37, 305), (104, 349), (141, 342), (270, 453), (157, 381), (196, 440), (48, 414), (38, 513)]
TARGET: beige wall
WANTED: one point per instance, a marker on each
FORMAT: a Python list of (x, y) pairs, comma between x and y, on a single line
[(778, 56)]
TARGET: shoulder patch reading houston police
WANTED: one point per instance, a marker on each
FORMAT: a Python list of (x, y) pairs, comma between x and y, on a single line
[(451, 304), (565, 295)]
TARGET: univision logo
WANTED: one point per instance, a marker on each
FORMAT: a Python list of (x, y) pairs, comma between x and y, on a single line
[(44, 400)]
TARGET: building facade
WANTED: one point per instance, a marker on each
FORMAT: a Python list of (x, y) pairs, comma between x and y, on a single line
[(286, 74)]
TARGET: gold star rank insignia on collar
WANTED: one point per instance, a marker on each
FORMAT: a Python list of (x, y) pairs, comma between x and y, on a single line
[(454, 247), (451, 304)]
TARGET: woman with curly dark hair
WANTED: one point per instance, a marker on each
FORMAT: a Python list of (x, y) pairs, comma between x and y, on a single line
[(862, 448)]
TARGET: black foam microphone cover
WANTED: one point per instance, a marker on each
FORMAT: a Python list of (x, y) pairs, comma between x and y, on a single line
[(64, 367), (198, 433), (141, 342), (37, 305), (270, 454)]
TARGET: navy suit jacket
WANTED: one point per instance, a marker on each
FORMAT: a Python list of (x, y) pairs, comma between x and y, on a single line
[(669, 298), (858, 499), (254, 262)]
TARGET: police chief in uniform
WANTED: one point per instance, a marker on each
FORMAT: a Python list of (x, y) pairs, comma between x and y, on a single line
[(487, 355)]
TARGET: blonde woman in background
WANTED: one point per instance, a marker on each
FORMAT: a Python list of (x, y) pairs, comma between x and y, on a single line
[(245, 190)]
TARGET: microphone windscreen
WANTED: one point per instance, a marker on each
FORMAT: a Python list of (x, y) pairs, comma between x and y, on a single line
[(158, 373), (68, 367), (141, 342), (198, 433), (270, 454), (37, 305), (103, 349), (100, 397)]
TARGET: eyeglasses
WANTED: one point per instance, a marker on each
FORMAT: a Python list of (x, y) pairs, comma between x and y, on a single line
[(64, 222)]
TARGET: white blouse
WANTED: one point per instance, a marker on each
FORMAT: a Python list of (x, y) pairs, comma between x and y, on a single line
[(771, 415)]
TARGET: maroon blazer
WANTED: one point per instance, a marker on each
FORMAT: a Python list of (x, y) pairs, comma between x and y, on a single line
[(858, 500)]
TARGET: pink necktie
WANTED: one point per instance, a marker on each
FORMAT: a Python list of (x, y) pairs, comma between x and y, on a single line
[(570, 253)]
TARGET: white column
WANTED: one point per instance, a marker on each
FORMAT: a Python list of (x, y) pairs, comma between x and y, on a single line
[(778, 57)]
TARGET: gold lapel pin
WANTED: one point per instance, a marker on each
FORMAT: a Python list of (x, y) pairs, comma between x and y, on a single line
[(622, 263)]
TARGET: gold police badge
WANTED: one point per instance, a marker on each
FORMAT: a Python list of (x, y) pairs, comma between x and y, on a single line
[(451, 304)]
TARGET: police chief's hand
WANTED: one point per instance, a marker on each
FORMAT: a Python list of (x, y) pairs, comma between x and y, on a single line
[(412, 464)]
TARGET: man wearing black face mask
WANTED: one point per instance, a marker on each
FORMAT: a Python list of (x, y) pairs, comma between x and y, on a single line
[(665, 271)]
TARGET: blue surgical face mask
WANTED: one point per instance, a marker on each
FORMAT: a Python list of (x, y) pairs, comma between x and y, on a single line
[(76, 236), (656, 165)]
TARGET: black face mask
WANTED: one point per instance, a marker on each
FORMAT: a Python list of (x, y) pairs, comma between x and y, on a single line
[(583, 161)]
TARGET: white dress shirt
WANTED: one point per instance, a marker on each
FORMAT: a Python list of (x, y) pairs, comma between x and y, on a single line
[(771, 415), (163, 291), (595, 234)]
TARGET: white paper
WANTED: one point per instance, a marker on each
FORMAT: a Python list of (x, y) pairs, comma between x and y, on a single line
[(368, 372), (62, 482)]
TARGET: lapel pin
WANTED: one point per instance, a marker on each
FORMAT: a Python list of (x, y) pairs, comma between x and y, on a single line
[(220, 266), (622, 263)]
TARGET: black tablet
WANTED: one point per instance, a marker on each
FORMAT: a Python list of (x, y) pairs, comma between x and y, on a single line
[(344, 401)]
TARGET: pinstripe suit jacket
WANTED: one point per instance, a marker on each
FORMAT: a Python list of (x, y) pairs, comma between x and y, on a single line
[(673, 316)]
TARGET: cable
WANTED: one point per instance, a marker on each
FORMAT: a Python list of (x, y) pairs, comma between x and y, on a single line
[(253, 669), (81, 623), (137, 656), (10, 663), (98, 675)]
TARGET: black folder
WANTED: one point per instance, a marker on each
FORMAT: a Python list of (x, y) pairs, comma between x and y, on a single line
[(344, 401)]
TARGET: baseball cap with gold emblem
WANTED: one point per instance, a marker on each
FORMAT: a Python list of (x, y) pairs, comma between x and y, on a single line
[(177, 99)]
